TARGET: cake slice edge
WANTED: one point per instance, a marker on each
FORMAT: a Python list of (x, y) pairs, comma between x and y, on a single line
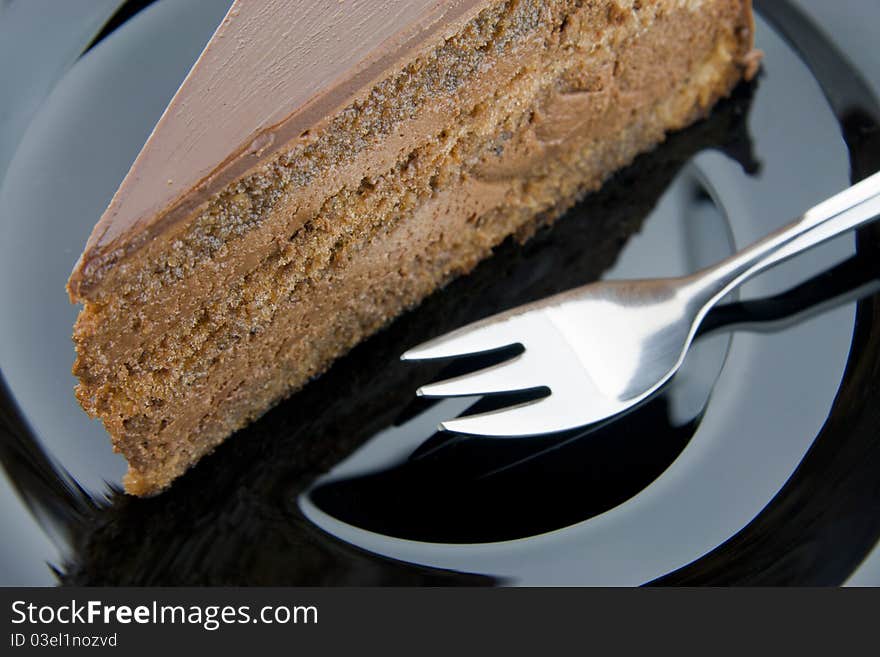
[(507, 165)]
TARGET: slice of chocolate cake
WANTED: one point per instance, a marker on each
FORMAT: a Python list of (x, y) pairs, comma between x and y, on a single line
[(326, 165)]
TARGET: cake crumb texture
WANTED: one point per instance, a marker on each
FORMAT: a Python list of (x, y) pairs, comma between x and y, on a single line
[(492, 131)]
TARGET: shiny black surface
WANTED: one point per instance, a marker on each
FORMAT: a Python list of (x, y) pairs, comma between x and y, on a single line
[(235, 518), (822, 523)]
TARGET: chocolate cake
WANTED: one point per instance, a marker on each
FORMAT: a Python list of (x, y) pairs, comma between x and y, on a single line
[(326, 165)]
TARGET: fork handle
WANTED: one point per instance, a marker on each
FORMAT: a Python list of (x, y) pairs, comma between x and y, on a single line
[(850, 208)]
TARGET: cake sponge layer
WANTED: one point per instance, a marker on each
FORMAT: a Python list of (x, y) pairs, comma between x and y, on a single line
[(498, 127)]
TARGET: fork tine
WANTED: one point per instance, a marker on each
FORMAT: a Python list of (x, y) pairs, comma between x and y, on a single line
[(529, 419), (486, 335), (508, 376)]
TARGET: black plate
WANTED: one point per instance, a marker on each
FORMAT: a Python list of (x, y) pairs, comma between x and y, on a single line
[(643, 499)]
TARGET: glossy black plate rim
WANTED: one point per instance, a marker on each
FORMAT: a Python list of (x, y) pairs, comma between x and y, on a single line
[(834, 491)]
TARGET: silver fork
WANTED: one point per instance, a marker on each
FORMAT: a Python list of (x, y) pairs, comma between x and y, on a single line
[(603, 348)]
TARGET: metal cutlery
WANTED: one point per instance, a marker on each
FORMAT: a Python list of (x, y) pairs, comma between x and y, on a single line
[(600, 349)]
